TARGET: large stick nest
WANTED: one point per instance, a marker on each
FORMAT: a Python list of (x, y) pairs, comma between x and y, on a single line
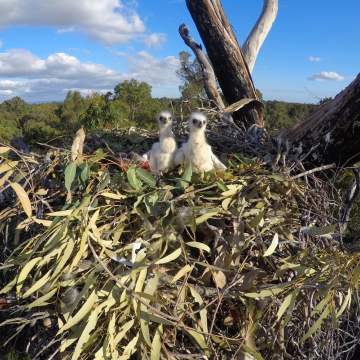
[(100, 262)]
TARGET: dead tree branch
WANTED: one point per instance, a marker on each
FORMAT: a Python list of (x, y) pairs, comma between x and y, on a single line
[(334, 127), (209, 78), (260, 32)]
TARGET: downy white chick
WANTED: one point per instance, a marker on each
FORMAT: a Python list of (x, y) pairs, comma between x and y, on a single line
[(197, 151), (161, 155)]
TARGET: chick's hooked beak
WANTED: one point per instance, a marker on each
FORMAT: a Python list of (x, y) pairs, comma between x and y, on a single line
[(198, 123), (165, 120)]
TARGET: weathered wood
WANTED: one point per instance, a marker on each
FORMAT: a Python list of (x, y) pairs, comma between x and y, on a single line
[(333, 130), (259, 32), (226, 57), (209, 77)]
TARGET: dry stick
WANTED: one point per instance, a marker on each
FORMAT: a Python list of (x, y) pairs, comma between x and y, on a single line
[(312, 171)]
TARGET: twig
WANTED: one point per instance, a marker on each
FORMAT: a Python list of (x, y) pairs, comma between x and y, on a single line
[(312, 171)]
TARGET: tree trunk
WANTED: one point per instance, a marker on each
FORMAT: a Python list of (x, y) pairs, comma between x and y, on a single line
[(333, 130), (226, 57)]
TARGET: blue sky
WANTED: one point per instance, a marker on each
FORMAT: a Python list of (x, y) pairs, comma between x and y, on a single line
[(50, 47)]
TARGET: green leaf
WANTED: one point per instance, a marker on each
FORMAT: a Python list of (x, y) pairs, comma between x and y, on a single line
[(62, 213), (130, 348), (85, 335), (114, 196), (199, 338), (252, 352), (284, 306), (4, 149), (156, 344), (140, 281), (186, 178), (25, 272), (9, 165), (133, 180), (222, 186), (147, 316), (64, 258), (84, 310), (317, 324), (273, 246), (42, 301), (344, 304), (203, 312), (70, 173), (171, 257), (265, 293), (146, 177), (199, 245), (38, 285), (150, 289), (85, 173), (23, 198), (123, 330), (258, 220), (201, 219), (8, 286), (182, 272)]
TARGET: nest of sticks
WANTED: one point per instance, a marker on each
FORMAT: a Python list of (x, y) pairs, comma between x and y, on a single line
[(99, 261)]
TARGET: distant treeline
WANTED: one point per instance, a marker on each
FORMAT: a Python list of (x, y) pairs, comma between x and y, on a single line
[(131, 104)]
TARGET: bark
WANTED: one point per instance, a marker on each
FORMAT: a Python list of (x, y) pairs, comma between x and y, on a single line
[(226, 57), (333, 130), (259, 33), (209, 77)]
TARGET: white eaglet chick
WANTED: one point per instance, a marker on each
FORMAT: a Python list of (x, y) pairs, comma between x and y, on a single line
[(197, 151), (161, 155)]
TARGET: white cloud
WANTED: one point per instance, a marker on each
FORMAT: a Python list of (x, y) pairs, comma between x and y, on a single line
[(146, 67), (22, 63), (314, 59), (154, 40), (43, 79), (327, 75), (109, 21)]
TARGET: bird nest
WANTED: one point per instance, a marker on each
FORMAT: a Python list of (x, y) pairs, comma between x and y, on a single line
[(102, 262)]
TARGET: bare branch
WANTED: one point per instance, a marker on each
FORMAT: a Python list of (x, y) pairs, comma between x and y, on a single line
[(334, 127), (207, 70), (312, 171), (259, 32)]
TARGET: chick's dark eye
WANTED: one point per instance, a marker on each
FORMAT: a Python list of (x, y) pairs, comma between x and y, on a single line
[(194, 121)]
